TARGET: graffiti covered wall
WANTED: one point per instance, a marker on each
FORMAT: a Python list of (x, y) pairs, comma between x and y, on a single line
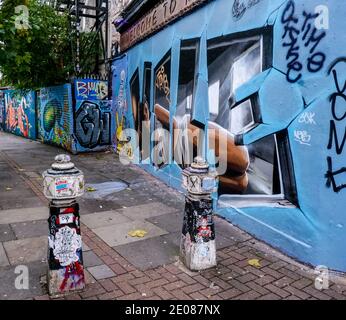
[(20, 113), (2, 110), (90, 89), (55, 116), (258, 88), (93, 125)]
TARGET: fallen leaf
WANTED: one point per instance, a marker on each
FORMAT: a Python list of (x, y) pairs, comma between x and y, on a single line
[(137, 233), (255, 263), (90, 189)]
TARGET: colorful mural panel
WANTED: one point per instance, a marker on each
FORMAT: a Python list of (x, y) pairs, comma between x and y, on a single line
[(55, 116), (93, 125), (20, 114), (120, 104), (90, 89), (257, 88), (2, 110)]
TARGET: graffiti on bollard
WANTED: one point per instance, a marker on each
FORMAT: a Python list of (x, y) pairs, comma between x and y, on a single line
[(63, 183), (197, 248)]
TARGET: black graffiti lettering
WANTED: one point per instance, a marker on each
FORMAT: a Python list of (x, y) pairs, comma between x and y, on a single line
[(330, 176), (308, 17), (333, 136), (288, 14), (294, 66), (335, 76), (316, 62), (314, 39), (293, 32), (338, 101), (293, 35), (333, 100), (92, 126), (238, 9)]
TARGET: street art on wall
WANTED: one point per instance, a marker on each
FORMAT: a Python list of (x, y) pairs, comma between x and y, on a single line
[(120, 105), (256, 87), (2, 109), (20, 114), (93, 125), (91, 89), (55, 115), (162, 102)]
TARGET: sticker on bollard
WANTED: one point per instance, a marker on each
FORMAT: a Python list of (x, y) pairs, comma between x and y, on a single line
[(63, 183), (65, 257), (198, 235)]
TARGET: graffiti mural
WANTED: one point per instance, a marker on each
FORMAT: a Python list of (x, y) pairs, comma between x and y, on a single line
[(120, 105), (93, 127), (162, 102), (91, 89), (261, 95), (55, 115), (20, 114), (2, 110)]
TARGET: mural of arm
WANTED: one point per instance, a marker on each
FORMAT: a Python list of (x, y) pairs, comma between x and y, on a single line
[(235, 180)]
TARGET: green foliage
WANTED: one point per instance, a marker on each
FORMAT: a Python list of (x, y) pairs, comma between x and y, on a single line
[(39, 55)]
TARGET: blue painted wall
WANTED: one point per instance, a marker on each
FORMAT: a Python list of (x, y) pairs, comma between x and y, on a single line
[(300, 93)]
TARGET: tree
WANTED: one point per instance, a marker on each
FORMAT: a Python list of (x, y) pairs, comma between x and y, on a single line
[(35, 47)]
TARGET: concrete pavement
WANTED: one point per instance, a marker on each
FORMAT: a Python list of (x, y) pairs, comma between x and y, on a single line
[(122, 267)]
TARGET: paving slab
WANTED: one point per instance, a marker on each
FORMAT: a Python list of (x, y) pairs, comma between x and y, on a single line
[(88, 206), (101, 272), (116, 235), (6, 233), (19, 203), (171, 222), (8, 275), (3, 258), (26, 250), (23, 214), (149, 253), (147, 210), (90, 259), (103, 219), (230, 231), (30, 229), (84, 246)]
